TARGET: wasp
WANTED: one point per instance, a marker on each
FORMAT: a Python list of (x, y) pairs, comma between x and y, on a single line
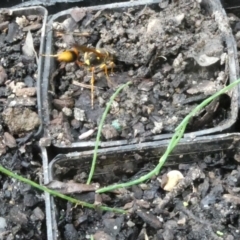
[(93, 59)]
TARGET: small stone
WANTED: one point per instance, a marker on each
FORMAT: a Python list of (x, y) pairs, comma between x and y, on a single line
[(179, 18), (146, 86), (75, 124), (154, 26), (130, 73), (45, 142), (70, 232), (114, 107), (144, 186), (237, 36), (130, 223), (158, 126), (29, 81), (30, 200), (113, 225), (109, 132), (138, 129), (102, 235), (79, 114), (3, 223), (181, 221), (137, 191), (171, 179), (38, 214), (229, 237), (18, 216), (20, 120), (67, 111)]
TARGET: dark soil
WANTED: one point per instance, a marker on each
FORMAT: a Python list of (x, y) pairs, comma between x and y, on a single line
[(20, 42), (164, 52), (234, 20), (203, 206), (168, 82), (22, 214)]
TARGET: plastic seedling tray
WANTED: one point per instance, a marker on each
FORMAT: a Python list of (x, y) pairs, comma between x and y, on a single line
[(116, 159), (231, 5), (38, 11), (219, 18)]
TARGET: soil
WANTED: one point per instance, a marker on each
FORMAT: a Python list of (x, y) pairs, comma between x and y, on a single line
[(22, 214), (203, 206), (20, 39), (235, 24), (164, 52)]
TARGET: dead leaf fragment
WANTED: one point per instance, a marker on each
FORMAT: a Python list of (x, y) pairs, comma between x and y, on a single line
[(128, 205), (28, 47), (9, 140), (15, 86), (78, 14), (205, 61), (59, 104), (29, 92), (22, 21), (32, 27), (22, 102), (149, 218), (181, 221), (2, 146), (72, 187), (3, 25), (171, 179), (3, 75), (207, 87), (232, 199)]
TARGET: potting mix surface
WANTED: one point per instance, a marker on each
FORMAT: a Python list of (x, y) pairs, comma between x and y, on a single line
[(166, 54)]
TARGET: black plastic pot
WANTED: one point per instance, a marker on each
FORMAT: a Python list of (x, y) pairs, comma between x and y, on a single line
[(55, 6), (214, 7), (41, 11), (138, 154), (231, 4)]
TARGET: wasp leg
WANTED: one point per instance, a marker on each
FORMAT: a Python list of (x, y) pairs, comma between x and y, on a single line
[(80, 64), (104, 67), (107, 76), (92, 86), (112, 65)]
